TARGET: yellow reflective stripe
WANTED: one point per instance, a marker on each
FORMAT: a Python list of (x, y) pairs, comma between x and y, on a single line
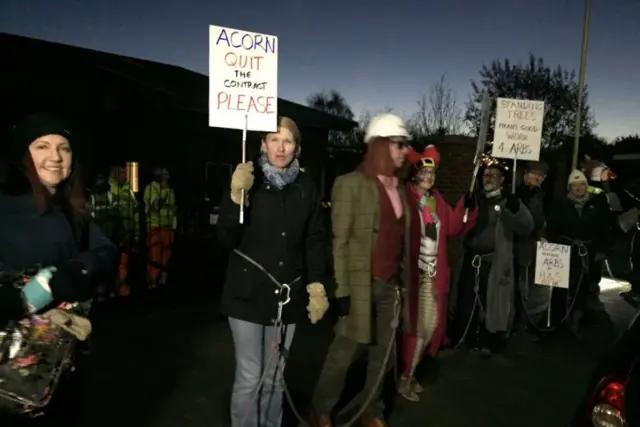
[(594, 190)]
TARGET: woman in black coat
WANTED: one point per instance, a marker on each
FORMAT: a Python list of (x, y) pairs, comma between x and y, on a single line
[(282, 235), (44, 223), (580, 220)]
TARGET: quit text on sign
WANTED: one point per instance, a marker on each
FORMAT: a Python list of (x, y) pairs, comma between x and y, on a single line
[(243, 74)]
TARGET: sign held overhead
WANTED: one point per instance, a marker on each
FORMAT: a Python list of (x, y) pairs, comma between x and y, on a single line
[(243, 80), (518, 129)]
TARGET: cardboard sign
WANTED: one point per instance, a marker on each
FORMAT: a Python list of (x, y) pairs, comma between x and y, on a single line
[(243, 80), (518, 129), (553, 264)]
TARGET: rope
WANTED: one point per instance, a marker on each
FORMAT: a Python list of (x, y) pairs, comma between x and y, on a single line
[(379, 378), (476, 263), (583, 253), (279, 354)]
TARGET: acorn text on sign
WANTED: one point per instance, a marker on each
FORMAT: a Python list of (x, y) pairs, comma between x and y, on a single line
[(553, 265), (243, 79), (518, 129)]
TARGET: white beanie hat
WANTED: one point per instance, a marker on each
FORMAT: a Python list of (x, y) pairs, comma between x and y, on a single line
[(575, 177), (385, 126)]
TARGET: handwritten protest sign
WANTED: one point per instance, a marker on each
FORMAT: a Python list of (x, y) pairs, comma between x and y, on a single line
[(518, 129), (553, 265), (243, 80)]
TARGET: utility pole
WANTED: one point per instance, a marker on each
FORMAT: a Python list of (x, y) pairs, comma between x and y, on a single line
[(583, 69)]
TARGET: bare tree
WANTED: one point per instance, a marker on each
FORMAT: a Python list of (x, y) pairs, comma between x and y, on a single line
[(366, 116), (333, 102), (439, 112)]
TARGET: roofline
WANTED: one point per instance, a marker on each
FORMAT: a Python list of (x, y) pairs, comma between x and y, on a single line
[(337, 123)]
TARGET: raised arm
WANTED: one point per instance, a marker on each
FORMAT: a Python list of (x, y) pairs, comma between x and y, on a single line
[(457, 226)]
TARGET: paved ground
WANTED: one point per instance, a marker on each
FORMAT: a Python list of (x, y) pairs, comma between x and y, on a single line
[(170, 364)]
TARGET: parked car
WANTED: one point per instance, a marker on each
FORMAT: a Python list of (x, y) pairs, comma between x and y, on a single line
[(612, 398)]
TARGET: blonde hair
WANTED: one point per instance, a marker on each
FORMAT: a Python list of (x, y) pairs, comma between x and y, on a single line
[(291, 126)]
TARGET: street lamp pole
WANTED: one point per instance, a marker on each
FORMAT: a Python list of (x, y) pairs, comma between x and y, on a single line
[(583, 69)]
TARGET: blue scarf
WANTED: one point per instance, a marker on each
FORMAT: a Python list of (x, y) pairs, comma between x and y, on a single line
[(277, 177)]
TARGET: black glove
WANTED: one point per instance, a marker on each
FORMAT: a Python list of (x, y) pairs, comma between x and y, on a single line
[(12, 306), (513, 203), (470, 201), (344, 305), (70, 283)]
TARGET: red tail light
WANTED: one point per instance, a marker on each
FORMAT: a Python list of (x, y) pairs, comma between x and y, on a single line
[(607, 404)]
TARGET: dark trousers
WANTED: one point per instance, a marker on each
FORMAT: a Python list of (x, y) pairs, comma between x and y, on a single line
[(578, 293), (467, 318), (344, 350)]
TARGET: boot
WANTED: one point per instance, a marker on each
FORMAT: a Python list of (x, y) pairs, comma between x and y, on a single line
[(415, 386), (320, 420), (405, 390), (368, 421)]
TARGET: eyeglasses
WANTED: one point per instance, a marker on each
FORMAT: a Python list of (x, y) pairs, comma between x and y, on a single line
[(400, 143)]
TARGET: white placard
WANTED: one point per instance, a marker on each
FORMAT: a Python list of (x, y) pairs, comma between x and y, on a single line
[(518, 129), (243, 79), (553, 264)]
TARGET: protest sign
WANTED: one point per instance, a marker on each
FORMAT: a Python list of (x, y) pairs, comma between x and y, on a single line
[(518, 129), (480, 145), (553, 263), (243, 80)]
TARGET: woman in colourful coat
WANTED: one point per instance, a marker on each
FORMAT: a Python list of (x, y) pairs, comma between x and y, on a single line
[(427, 292)]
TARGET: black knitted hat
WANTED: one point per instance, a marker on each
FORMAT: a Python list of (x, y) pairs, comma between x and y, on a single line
[(31, 128)]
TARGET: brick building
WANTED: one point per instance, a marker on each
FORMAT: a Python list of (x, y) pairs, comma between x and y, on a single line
[(454, 176)]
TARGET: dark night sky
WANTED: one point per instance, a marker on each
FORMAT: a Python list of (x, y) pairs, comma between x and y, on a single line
[(377, 54)]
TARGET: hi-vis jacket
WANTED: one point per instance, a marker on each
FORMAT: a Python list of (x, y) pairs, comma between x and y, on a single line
[(160, 206), (126, 207), (594, 190)]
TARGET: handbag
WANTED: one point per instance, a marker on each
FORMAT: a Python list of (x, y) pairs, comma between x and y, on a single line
[(36, 353)]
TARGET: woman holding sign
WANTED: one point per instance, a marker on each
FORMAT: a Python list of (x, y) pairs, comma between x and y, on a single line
[(275, 273), (580, 220)]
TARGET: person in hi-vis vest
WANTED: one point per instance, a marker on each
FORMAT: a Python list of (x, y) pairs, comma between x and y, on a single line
[(160, 211), (102, 208), (127, 232)]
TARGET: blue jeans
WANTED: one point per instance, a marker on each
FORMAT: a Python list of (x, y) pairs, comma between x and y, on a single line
[(255, 357)]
